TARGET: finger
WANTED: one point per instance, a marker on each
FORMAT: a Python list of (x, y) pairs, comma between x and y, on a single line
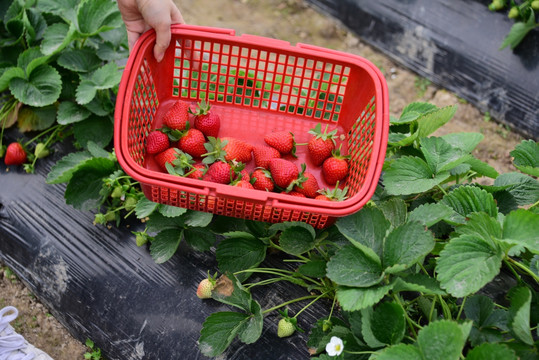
[(132, 38), (162, 40)]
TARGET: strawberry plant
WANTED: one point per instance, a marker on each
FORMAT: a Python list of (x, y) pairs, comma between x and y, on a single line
[(524, 13), (58, 70)]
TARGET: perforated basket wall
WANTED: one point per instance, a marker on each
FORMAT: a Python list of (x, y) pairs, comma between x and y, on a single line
[(257, 85)]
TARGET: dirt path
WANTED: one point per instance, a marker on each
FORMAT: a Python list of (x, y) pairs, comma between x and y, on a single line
[(294, 21)]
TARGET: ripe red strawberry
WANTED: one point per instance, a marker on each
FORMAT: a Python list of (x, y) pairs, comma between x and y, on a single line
[(285, 328), (164, 157), (321, 144), (244, 175), (296, 194), (263, 154), (205, 287), (192, 142), (283, 172), (261, 180), (245, 184), (238, 150), (197, 171), (207, 121), (156, 142), (15, 154), (335, 168), (219, 172), (309, 187), (177, 116), (283, 141)]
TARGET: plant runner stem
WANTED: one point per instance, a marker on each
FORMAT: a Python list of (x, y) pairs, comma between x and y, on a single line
[(288, 303), (524, 269)]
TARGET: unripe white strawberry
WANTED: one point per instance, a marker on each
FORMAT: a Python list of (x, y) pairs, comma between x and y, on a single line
[(285, 328), (205, 288)]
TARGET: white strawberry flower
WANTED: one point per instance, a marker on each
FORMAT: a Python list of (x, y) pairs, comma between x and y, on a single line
[(335, 346)]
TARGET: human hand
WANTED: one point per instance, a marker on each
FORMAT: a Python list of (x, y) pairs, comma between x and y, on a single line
[(141, 15)]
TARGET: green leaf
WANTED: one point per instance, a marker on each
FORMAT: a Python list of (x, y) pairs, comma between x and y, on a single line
[(519, 314), (430, 214), (42, 88), (465, 141), (385, 324), (419, 283), (480, 309), (105, 77), (482, 168), (407, 244), (489, 351), (95, 16), (83, 189), (395, 210), (467, 199), (411, 175), (158, 222), (219, 330), (366, 230), (313, 268), (252, 330), (526, 157), (238, 253), (171, 211), (298, 239), (30, 59), (522, 227), (86, 92), (79, 60), (518, 32), (399, 352), (413, 111), (353, 298), (199, 238), (443, 340), (36, 118), (165, 244), (145, 207), (440, 155), (197, 218), (56, 37), (95, 129), (432, 120), (63, 8), (440, 340), (69, 112), (9, 74), (523, 188), (467, 263), (482, 225), (62, 171), (351, 267)]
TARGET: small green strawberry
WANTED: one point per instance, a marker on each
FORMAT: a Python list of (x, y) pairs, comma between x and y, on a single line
[(285, 327), (206, 286)]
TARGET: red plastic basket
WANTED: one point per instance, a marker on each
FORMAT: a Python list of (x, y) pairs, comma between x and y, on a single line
[(257, 85)]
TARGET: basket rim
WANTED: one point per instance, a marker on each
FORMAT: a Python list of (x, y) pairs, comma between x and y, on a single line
[(200, 187)]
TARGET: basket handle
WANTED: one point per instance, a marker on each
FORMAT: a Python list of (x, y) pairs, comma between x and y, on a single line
[(208, 29), (262, 40)]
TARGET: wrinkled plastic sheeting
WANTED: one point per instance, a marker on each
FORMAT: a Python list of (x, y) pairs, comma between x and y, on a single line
[(456, 45)]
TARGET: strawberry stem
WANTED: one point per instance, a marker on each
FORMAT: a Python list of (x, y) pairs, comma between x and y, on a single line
[(288, 303)]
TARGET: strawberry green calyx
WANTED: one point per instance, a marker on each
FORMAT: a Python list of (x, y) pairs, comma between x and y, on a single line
[(203, 108), (324, 135), (215, 150)]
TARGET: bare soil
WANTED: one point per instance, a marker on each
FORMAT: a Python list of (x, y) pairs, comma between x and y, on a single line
[(294, 21)]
